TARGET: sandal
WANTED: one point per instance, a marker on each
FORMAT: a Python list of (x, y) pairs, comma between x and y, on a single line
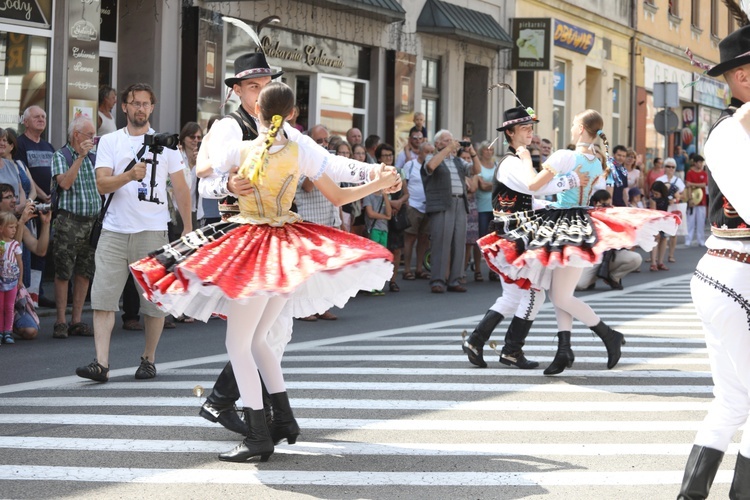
[(184, 319), (494, 276), (93, 371), (393, 286), (409, 276), (81, 329), (478, 276), (328, 315), (671, 259), (60, 331), (423, 275), (146, 370), (309, 318), (662, 267), (653, 267)]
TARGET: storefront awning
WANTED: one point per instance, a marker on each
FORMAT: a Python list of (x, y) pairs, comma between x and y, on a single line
[(389, 11), (442, 18)]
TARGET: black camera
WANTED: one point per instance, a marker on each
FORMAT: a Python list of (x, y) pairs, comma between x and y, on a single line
[(43, 208), (464, 144), (162, 140)]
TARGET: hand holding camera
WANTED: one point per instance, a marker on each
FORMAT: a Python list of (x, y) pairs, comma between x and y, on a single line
[(138, 172)]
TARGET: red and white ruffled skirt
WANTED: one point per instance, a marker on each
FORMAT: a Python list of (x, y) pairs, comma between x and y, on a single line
[(315, 267), (526, 246)]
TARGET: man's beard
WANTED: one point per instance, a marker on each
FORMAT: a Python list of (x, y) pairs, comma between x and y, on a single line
[(138, 123)]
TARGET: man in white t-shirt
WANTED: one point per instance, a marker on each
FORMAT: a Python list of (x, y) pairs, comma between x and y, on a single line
[(135, 224), (419, 228)]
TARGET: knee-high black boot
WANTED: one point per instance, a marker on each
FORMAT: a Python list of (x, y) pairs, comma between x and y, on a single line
[(284, 425), (700, 471), (267, 404), (612, 341), (564, 357), (474, 345), (219, 405), (257, 440), (740, 489), (512, 353)]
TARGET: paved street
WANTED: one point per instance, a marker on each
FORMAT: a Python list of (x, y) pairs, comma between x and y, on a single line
[(388, 405)]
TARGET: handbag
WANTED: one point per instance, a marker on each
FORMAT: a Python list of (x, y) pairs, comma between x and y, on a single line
[(400, 221), (96, 229)]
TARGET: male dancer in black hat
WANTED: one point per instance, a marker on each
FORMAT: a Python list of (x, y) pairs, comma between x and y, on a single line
[(721, 284), (252, 74), (511, 194)]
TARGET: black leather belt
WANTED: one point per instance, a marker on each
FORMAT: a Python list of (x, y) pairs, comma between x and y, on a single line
[(76, 217)]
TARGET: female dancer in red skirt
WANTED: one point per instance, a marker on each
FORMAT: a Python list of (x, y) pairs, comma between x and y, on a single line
[(267, 264), (551, 246)]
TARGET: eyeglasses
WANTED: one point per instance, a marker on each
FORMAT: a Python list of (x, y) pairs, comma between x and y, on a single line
[(9, 197), (386, 155), (197, 137), (670, 166), (85, 134), (322, 140), (141, 105)]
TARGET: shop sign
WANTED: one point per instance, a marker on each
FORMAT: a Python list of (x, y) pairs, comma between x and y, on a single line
[(573, 38), (108, 26), (710, 92), (531, 44), (83, 59), (300, 52), (27, 12), (656, 72)]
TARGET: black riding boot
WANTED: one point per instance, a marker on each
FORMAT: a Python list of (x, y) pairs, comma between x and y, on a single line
[(740, 489), (473, 346), (257, 440), (284, 425), (564, 357), (612, 341), (515, 338), (219, 405), (700, 471)]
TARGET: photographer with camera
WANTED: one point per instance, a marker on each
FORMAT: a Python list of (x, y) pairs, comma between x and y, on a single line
[(132, 167), (444, 178), (78, 204)]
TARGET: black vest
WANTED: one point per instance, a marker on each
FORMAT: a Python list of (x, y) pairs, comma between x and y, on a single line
[(724, 219), (228, 205), (505, 199)]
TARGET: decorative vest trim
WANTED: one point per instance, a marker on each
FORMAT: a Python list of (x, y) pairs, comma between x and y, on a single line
[(505, 199), (725, 221)]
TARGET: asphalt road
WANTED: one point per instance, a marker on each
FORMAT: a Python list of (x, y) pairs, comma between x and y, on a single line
[(388, 404)]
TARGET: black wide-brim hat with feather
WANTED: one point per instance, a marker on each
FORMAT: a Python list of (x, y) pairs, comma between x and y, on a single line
[(517, 116), (253, 65), (734, 51)]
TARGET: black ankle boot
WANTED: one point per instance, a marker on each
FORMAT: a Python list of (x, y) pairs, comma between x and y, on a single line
[(740, 489), (564, 357), (257, 442), (284, 425), (515, 338), (474, 345), (700, 471), (612, 341), (219, 406)]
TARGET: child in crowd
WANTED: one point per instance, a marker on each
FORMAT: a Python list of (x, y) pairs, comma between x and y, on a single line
[(10, 275), (419, 121), (659, 201), (635, 198), (377, 208)]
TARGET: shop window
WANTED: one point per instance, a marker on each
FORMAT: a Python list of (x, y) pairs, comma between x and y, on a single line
[(616, 107), (23, 78), (430, 105), (343, 103), (695, 14), (559, 100)]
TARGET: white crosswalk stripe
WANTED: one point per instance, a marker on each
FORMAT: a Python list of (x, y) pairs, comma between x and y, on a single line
[(409, 394)]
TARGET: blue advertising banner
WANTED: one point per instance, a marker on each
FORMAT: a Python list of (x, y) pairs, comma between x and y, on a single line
[(573, 38)]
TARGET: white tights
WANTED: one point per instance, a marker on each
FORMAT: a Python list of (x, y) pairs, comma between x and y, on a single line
[(567, 306), (248, 349)]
